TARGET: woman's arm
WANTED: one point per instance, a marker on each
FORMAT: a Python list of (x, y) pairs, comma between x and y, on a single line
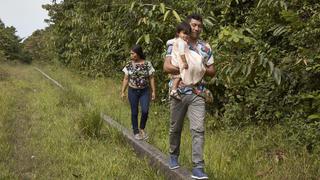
[(153, 88), (124, 86)]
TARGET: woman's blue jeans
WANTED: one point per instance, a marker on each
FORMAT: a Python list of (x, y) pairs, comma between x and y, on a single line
[(135, 96)]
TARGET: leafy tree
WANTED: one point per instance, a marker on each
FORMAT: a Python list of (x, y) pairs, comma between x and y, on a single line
[(39, 47), (10, 47), (266, 52)]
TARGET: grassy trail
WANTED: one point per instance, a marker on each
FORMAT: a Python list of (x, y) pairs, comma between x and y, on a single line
[(20, 124), (64, 147), (17, 125), (249, 153), (41, 134)]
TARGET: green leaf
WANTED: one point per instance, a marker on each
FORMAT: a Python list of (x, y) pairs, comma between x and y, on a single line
[(207, 23), (220, 36), (235, 70), (271, 65), (277, 75), (261, 57), (264, 63), (132, 5), (249, 70), (279, 31), (147, 38), (226, 32), (244, 70), (235, 39), (159, 39), (246, 40), (166, 15), (314, 116), (249, 31), (176, 15), (139, 39), (259, 3), (162, 8)]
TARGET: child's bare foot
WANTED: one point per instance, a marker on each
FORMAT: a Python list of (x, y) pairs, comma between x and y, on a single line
[(175, 94)]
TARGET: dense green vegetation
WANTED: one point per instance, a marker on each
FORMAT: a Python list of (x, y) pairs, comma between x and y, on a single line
[(10, 46), (266, 53), (265, 118), (39, 46)]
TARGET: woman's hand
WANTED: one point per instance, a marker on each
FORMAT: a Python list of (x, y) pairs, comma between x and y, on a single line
[(153, 96), (124, 86), (123, 95)]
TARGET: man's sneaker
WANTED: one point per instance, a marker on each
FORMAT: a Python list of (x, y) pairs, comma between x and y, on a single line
[(137, 136), (173, 162), (198, 173), (143, 134)]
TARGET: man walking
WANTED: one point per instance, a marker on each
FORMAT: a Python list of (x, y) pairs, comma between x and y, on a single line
[(191, 104)]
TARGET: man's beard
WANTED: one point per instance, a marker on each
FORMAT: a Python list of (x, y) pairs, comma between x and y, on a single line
[(194, 36)]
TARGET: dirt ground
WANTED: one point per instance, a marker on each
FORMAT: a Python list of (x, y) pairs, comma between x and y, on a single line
[(17, 125)]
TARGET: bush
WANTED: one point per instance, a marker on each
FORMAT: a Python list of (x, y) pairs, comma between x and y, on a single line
[(90, 122), (266, 53), (2, 56)]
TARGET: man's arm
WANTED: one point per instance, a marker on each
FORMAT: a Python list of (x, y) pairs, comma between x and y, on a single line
[(210, 70), (168, 67)]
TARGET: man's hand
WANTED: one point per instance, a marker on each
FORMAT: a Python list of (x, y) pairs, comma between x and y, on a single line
[(210, 71), (169, 68)]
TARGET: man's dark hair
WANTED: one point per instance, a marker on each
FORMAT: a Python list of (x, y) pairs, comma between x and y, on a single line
[(185, 27), (195, 16)]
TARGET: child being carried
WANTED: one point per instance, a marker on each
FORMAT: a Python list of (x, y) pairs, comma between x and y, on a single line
[(191, 68)]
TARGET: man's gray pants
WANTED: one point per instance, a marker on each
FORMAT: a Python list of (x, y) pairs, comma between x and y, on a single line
[(194, 107)]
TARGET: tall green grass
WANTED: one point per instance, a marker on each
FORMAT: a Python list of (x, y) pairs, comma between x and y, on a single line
[(89, 121), (65, 138), (6, 104), (250, 153)]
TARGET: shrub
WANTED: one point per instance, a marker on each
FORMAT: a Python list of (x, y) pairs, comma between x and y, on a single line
[(90, 122)]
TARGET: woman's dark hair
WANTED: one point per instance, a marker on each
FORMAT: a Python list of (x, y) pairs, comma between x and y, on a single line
[(138, 49), (195, 16), (185, 27)]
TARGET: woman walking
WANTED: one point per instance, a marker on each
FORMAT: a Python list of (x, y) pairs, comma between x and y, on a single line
[(139, 76)]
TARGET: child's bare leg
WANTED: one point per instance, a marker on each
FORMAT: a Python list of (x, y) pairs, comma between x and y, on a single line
[(174, 93), (175, 83), (184, 62)]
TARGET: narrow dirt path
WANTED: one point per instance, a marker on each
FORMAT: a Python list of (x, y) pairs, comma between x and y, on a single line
[(42, 136), (18, 126)]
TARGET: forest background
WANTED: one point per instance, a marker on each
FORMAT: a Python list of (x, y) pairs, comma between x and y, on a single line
[(266, 54)]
